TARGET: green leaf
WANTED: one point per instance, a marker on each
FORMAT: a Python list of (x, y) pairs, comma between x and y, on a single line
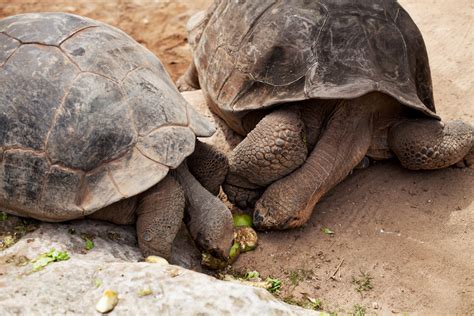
[(89, 244), (315, 303), (251, 275), (358, 310), (275, 285), (41, 263), (46, 258), (327, 231), (3, 216), (59, 255), (7, 241), (234, 251), (242, 220)]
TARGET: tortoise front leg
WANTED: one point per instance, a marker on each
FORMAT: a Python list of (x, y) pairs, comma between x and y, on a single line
[(273, 149), (159, 214), (289, 202), (430, 144)]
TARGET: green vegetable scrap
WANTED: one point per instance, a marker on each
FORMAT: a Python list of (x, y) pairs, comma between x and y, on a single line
[(314, 303), (234, 252), (274, 285), (251, 275), (214, 263), (46, 258), (242, 220), (327, 231), (253, 278), (246, 237), (6, 241), (308, 303), (89, 244), (88, 239)]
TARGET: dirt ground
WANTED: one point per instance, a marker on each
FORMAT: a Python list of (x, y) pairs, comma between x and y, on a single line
[(411, 232)]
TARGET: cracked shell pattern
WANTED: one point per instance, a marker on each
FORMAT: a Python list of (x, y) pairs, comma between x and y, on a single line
[(70, 117)]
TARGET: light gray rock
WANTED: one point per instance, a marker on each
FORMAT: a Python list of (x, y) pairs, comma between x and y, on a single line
[(76, 285)]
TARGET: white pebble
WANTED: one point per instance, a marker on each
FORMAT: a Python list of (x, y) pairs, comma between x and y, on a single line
[(107, 302), (156, 259)]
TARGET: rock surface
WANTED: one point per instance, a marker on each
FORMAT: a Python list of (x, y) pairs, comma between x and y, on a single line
[(76, 285)]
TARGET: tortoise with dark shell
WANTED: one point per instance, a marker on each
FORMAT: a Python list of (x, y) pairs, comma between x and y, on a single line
[(315, 86), (91, 125)]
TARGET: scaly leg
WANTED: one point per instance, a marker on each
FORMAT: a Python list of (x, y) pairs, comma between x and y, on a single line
[(273, 149), (289, 202), (159, 216), (430, 144)]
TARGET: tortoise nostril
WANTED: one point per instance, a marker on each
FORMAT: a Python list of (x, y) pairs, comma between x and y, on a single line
[(257, 218)]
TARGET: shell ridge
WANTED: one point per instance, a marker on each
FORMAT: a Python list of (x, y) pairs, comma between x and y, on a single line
[(112, 180), (56, 114), (115, 165), (76, 32), (9, 57)]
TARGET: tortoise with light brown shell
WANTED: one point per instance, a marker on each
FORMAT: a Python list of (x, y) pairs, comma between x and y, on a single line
[(91, 124), (315, 86)]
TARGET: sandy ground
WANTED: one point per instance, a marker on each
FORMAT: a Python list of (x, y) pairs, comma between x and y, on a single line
[(412, 232)]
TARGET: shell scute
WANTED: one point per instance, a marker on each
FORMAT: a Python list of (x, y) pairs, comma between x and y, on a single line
[(74, 95), (8, 46), (105, 51), (32, 85), (23, 185), (44, 28), (288, 51), (93, 126)]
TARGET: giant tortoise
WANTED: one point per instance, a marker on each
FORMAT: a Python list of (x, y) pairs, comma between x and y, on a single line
[(315, 86), (91, 124)]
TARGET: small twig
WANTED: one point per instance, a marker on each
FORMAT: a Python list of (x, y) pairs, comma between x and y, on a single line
[(333, 276)]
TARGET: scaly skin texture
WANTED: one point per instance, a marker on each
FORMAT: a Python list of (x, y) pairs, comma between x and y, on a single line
[(278, 54), (469, 159), (208, 219), (350, 127), (430, 144), (158, 212), (209, 166), (289, 202), (159, 215), (275, 148), (120, 213)]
